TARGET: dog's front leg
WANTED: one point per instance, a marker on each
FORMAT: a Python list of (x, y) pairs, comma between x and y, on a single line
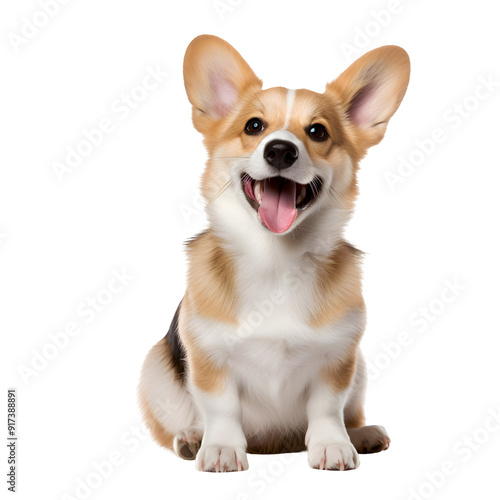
[(223, 448), (327, 440)]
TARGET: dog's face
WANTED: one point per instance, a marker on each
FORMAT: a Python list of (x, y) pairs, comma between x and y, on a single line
[(284, 155)]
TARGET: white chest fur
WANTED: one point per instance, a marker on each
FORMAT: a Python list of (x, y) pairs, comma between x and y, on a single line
[(273, 353)]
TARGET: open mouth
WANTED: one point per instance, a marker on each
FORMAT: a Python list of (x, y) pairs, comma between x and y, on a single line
[(278, 200)]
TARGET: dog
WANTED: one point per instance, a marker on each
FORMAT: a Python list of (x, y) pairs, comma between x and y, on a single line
[(262, 355)]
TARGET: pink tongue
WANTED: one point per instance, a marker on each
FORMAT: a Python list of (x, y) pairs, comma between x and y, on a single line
[(277, 209)]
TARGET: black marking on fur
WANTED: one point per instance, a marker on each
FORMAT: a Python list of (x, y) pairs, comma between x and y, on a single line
[(175, 346)]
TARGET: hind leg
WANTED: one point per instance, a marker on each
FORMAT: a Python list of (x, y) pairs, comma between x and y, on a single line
[(167, 406), (369, 439), (365, 438), (187, 442)]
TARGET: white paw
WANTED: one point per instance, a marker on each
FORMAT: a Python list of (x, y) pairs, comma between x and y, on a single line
[(220, 459), (333, 456), (187, 443)]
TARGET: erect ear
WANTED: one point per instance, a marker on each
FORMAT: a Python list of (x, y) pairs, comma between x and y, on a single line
[(371, 90), (215, 76)]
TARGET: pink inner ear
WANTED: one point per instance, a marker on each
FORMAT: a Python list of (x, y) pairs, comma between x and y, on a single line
[(363, 107), (224, 94)]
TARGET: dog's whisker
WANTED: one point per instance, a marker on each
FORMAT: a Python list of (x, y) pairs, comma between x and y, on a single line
[(221, 190), (335, 196), (230, 157), (246, 177), (316, 184), (258, 98), (313, 189)]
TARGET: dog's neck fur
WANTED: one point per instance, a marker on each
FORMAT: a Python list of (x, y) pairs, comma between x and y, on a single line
[(246, 239)]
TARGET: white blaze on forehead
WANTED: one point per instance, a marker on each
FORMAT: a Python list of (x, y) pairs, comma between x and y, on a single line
[(290, 97)]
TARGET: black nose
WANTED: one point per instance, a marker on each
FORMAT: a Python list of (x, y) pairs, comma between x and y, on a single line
[(281, 154)]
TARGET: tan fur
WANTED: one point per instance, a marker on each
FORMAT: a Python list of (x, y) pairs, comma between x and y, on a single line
[(157, 430), (226, 138), (339, 286), (388, 65), (310, 107), (211, 276), (205, 56), (339, 375), (339, 291), (159, 433), (206, 374), (356, 418)]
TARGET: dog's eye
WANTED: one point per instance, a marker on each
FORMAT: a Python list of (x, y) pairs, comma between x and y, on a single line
[(254, 126), (317, 132)]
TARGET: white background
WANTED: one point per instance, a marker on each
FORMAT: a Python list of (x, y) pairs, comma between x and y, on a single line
[(132, 202)]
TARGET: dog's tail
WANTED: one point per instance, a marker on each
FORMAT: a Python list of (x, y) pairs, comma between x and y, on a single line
[(165, 402)]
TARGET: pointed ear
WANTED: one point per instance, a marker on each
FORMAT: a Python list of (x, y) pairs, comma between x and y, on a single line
[(215, 76), (371, 90)]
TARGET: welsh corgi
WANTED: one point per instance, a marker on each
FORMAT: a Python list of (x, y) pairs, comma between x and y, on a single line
[(262, 355)]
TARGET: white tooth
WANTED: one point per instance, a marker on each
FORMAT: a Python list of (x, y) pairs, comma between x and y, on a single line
[(257, 191)]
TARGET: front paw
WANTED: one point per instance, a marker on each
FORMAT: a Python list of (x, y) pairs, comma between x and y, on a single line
[(333, 456), (221, 459)]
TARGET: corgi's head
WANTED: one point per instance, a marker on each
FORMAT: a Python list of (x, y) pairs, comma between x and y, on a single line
[(281, 160)]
